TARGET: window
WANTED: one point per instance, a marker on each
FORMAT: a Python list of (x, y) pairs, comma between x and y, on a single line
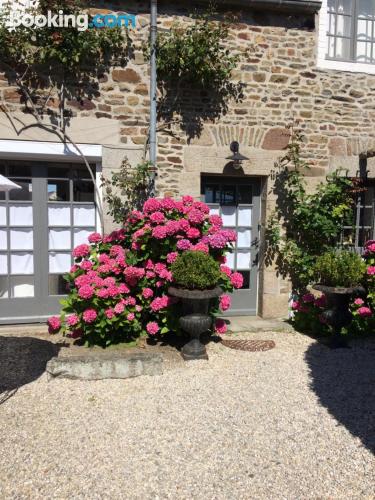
[(363, 228), (351, 31)]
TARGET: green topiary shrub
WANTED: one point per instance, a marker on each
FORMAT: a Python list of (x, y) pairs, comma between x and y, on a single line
[(339, 269), (196, 270)]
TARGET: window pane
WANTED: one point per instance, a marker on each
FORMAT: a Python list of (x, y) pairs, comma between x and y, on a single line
[(214, 211), (83, 191), (58, 191), (243, 260), (364, 30), (59, 239), (228, 195), (246, 279), (244, 237), (84, 216), (21, 239), (21, 286), (344, 6), (244, 216), (21, 215), (22, 263), (4, 287), (3, 263), (59, 262), (3, 215), (59, 215), (366, 8), (3, 239), (211, 194), (81, 172), (57, 285), (228, 215), (81, 235), (230, 260), (19, 171), (58, 172), (331, 4), (342, 48), (343, 27), (363, 52), (245, 194), (24, 194)]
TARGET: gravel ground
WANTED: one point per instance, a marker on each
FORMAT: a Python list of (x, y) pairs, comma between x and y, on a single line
[(296, 422)]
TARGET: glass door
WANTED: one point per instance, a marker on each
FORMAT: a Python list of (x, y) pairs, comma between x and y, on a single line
[(237, 201), (40, 224)]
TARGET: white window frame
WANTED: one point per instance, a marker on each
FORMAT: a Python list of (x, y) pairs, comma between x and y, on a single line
[(324, 63)]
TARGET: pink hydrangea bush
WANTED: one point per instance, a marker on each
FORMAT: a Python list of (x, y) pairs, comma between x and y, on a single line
[(307, 310), (119, 283)]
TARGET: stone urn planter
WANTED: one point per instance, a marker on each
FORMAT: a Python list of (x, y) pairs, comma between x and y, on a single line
[(195, 319), (338, 314)]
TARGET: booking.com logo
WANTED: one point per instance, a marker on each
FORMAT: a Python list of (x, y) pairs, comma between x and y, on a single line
[(60, 20)]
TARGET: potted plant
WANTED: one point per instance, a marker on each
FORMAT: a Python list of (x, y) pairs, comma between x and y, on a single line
[(339, 275), (196, 276)]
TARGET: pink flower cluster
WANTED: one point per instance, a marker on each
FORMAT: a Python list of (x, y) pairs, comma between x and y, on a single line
[(121, 280)]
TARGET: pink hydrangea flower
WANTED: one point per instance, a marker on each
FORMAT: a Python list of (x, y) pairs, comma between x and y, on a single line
[(102, 293), (119, 308), (237, 280), (172, 227), (184, 225), (217, 240), (72, 320), (201, 247), (195, 216), (152, 328), (90, 315), (365, 312), (81, 251), (216, 221), (110, 313), (168, 204), (74, 268), (200, 205), (86, 292), (159, 232), (54, 324), (147, 293), (220, 326), (171, 257), (226, 270), (157, 217), (187, 200), (371, 270), (86, 265), (295, 305), (225, 302), (95, 238), (193, 233), (138, 308), (183, 245), (130, 317), (152, 205), (159, 303), (359, 302)]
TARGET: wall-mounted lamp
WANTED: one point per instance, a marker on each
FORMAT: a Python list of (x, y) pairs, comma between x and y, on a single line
[(237, 158)]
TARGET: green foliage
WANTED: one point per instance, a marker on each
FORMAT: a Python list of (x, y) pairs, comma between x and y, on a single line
[(126, 189), (50, 57), (304, 225), (196, 270), (339, 268)]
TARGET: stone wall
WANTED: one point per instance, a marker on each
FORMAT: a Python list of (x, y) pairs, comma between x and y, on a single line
[(335, 110)]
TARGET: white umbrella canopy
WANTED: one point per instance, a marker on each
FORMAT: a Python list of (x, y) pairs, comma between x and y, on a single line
[(7, 185)]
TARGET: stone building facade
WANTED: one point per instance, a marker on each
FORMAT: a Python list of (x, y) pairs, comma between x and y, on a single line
[(278, 44)]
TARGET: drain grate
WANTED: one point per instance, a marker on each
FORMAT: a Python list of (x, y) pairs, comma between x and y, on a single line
[(249, 345)]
